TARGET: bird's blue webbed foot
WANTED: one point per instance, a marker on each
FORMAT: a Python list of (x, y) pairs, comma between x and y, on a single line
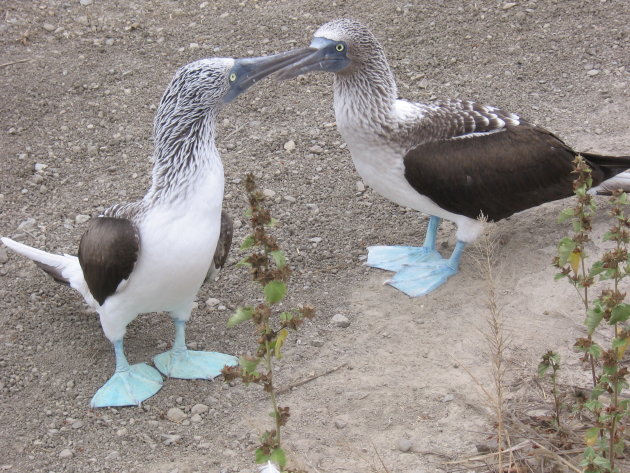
[(395, 258), (180, 362), (189, 364), (421, 278), (129, 385)]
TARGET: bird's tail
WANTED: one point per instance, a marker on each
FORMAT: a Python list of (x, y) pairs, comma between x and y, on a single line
[(64, 269), (616, 171)]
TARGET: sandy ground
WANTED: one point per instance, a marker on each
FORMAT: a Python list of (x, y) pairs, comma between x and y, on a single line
[(79, 85)]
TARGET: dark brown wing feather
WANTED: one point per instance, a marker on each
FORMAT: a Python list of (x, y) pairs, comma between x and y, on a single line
[(498, 173), (107, 253), (225, 240)]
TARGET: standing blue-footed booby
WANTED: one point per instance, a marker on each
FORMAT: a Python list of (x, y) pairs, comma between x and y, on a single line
[(153, 255), (453, 159)]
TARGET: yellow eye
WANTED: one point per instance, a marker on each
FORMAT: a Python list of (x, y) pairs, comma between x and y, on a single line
[(232, 77), (340, 47)]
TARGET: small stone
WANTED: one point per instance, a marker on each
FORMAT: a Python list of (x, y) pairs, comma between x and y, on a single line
[(193, 46), (113, 455), (340, 320), (27, 224), (237, 224), (316, 149), (289, 198), (77, 424), (175, 414), (507, 6), (315, 240), (317, 343), (81, 219), (340, 423), (360, 186), (289, 146), (269, 193), (66, 453), (593, 72), (170, 439), (405, 445), (85, 3), (211, 302), (70, 384), (199, 409), (48, 27), (196, 418), (4, 257), (448, 398), (121, 432)]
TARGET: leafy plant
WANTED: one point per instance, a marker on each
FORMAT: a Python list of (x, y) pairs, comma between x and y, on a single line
[(604, 440), (552, 360), (268, 267)]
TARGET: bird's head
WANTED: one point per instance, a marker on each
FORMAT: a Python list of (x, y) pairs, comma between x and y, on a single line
[(339, 46)]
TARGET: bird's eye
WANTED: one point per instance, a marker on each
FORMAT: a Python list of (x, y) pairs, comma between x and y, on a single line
[(232, 77), (340, 47)]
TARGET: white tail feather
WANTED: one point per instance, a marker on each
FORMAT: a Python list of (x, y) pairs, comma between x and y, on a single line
[(64, 268)]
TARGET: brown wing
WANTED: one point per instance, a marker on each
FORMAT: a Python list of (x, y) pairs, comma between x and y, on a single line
[(107, 253), (225, 240), (498, 173)]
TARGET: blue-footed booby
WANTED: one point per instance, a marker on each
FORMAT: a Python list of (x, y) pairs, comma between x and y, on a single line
[(153, 255), (453, 159)]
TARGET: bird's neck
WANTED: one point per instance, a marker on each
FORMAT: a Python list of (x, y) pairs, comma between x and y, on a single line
[(365, 96), (186, 159)]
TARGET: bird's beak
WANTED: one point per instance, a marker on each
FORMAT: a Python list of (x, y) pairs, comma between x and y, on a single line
[(325, 55), (247, 71)]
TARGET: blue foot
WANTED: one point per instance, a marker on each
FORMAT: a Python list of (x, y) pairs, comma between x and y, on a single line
[(188, 364), (395, 258), (128, 387), (422, 278)]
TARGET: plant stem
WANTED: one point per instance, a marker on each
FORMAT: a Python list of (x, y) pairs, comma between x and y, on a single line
[(272, 392)]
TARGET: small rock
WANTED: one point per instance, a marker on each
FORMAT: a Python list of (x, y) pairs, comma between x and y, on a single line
[(360, 186), (269, 193), (175, 414), (48, 27), (593, 72), (85, 3), (405, 445), (196, 418), (289, 146), (340, 320), (237, 224), (113, 455), (448, 398), (211, 302), (315, 240), (81, 219), (317, 343), (77, 424), (316, 149), (27, 224), (193, 46), (170, 439), (4, 257), (507, 6), (340, 423), (289, 198), (121, 432), (66, 453), (199, 409)]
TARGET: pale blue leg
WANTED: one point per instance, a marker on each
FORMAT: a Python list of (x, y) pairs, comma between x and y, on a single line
[(394, 258), (180, 362), (130, 385), (421, 278)]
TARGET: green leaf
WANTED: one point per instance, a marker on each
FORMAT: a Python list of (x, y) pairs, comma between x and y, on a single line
[(595, 350), (241, 315), (543, 367), (621, 313), (282, 336), (248, 242), (593, 405), (243, 262), (278, 258), (593, 318), (565, 248), (261, 457), (273, 222), (565, 215), (249, 364), (248, 213), (278, 457), (285, 316), (591, 436), (275, 292)]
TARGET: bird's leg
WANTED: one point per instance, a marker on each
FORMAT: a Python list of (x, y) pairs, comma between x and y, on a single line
[(180, 362), (129, 385), (395, 258), (421, 278)]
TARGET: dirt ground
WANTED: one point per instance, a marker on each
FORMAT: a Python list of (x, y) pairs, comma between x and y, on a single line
[(80, 81)]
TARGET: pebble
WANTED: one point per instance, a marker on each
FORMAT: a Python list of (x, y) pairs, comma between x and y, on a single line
[(199, 409), (317, 343), (113, 455), (77, 424), (340, 320), (85, 3), (27, 224), (175, 414), (315, 240), (448, 398), (66, 453), (340, 423), (193, 46), (48, 27), (593, 72), (211, 302), (170, 439), (289, 198), (405, 445), (289, 146), (507, 6), (360, 186), (196, 418), (316, 149), (121, 432), (269, 193), (80, 219), (237, 224)]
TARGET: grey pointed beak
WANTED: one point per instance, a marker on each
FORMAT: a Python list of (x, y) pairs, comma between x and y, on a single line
[(247, 71), (324, 57)]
